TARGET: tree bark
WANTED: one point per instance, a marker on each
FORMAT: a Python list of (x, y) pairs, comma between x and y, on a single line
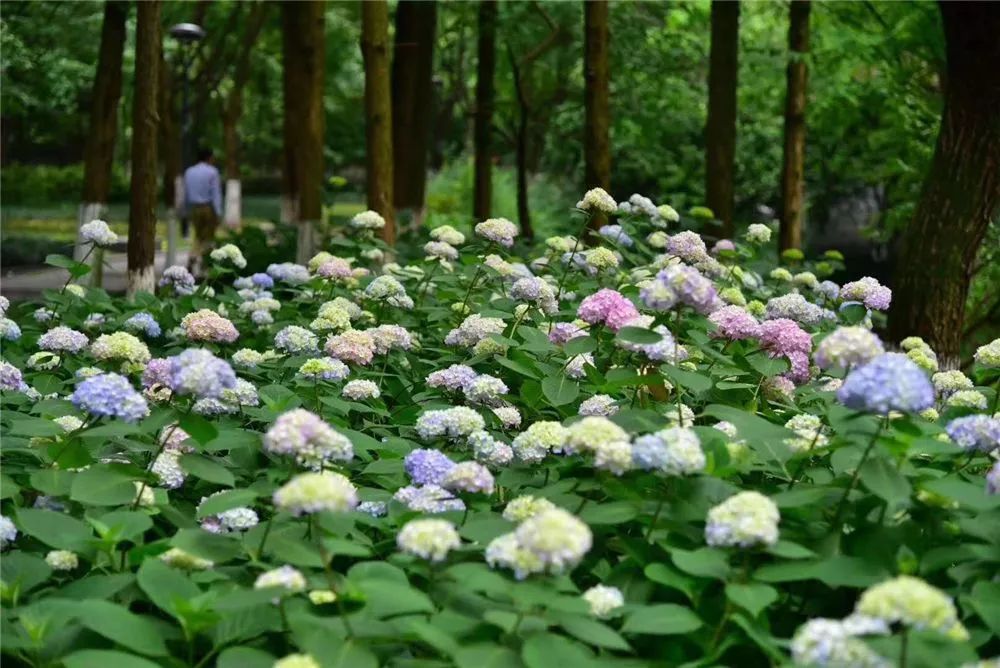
[(720, 128), (412, 101), (521, 151), (793, 169), (596, 99), (98, 155), (482, 197), (145, 121), (378, 112), (961, 193), (172, 154), (290, 85), (304, 42)]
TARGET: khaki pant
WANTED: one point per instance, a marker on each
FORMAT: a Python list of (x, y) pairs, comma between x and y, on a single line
[(205, 221)]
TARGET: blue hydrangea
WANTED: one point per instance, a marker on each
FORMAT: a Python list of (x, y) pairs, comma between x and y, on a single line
[(428, 467), (975, 432), (200, 373), (262, 281), (145, 323), (890, 382), (110, 395)]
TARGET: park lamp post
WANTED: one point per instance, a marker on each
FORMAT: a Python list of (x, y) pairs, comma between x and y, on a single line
[(186, 35)]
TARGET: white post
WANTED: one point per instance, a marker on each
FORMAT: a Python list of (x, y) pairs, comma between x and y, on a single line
[(234, 204), (305, 244)]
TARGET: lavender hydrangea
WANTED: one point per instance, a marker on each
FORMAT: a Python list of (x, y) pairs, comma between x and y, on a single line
[(143, 323), (63, 339), (178, 278), (869, 291), (199, 373), (680, 284), (110, 395), (428, 499), (848, 347), (889, 382), (454, 378), (306, 437), (975, 433)]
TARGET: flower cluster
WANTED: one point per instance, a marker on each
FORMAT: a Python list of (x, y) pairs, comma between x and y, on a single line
[(552, 541), (890, 382), (306, 437), (208, 326), (746, 519)]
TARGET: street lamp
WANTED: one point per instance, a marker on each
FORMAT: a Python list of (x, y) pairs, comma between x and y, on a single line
[(186, 35)]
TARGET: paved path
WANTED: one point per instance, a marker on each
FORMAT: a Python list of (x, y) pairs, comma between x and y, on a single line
[(28, 282)]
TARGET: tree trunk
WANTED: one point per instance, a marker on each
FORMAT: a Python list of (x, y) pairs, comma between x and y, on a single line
[(291, 85), (378, 112), (145, 121), (596, 99), (720, 128), (521, 150), (483, 133), (169, 148), (304, 70), (99, 151), (961, 194), (793, 168), (412, 101)]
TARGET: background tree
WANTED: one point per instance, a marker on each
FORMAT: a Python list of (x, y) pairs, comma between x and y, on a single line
[(961, 195), (304, 118), (412, 101), (99, 151), (378, 112), (720, 128), (145, 119), (596, 100), (793, 164), (483, 132)]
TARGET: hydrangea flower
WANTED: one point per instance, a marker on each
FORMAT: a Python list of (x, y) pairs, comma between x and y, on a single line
[(540, 438), (889, 382), (484, 389), (120, 346), (453, 423), (688, 246), (306, 437), (616, 234), (975, 433), (470, 477), (597, 200), (167, 469), (675, 451), (474, 329), (454, 378), (498, 230), (948, 382), (63, 339), (599, 404), (426, 466), (296, 341), (430, 539), (440, 250), (912, 602), (556, 538), (746, 519), (8, 532), (536, 292), (847, 347), (98, 232), (367, 220), (988, 355), (590, 433), (229, 253), (607, 307), (110, 395), (829, 642), (62, 560), (316, 492), (207, 325), (868, 291), (200, 373), (296, 661), (9, 330), (178, 278), (355, 346), (448, 235), (239, 518), (614, 457), (794, 306), (523, 507), (973, 399), (287, 578), (489, 450), (324, 368), (175, 557), (758, 234), (143, 323), (734, 323), (603, 600), (680, 284), (391, 291), (810, 433), (428, 499)]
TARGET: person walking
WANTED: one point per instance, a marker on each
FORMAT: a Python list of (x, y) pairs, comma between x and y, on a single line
[(203, 204)]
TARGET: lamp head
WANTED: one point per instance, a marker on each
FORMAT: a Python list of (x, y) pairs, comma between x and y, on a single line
[(187, 32)]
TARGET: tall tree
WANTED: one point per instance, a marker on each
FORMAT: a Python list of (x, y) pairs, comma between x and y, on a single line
[(378, 112), (172, 155), (483, 130), (961, 193), (291, 67), (232, 110), (412, 101), (596, 100), (99, 151), (793, 167), (720, 128), (145, 121), (304, 49)]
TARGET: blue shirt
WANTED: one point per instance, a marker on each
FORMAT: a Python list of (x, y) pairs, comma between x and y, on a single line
[(202, 186)]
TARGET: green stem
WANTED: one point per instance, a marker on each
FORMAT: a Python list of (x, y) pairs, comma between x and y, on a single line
[(572, 254), (475, 278), (857, 473), (330, 581)]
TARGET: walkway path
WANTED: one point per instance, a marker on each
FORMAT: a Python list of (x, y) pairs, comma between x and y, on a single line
[(28, 282)]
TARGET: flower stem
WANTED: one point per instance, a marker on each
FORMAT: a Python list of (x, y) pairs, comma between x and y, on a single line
[(857, 473)]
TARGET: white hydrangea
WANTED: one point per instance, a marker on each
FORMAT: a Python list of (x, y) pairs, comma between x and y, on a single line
[(603, 600), (597, 199), (430, 539), (744, 520)]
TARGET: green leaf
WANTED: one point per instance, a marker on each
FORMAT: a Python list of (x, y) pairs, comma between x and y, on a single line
[(164, 585), (689, 380), (884, 479), (23, 571), (789, 550), (76, 269), (852, 314), (517, 367), (207, 469), (766, 365), (198, 428), (617, 512), (103, 485), (56, 530), (752, 597), (639, 335), (546, 650), (967, 494), (201, 543), (668, 577), (591, 631), (487, 655), (126, 524), (766, 438), (560, 390), (227, 500), (706, 562), (244, 657), (136, 632), (985, 600), (662, 619), (579, 345), (103, 658), (384, 598)]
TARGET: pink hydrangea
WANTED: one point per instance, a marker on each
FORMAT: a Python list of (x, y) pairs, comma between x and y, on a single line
[(608, 307), (354, 345), (207, 325), (723, 245), (799, 373), (783, 336), (734, 323), (335, 268), (561, 332)]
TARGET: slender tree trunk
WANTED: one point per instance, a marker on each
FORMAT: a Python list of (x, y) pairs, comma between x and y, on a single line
[(378, 112), (291, 85), (793, 169), (961, 194), (145, 121), (483, 132), (169, 148), (303, 71), (596, 99), (720, 129), (412, 101), (99, 151), (521, 150)]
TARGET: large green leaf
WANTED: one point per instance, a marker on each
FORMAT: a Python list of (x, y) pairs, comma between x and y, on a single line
[(752, 597), (662, 619), (164, 585), (207, 469), (704, 562), (545, 650), (137, 633), (103, 485), (105, 658), (227, 500), (57, 530), (883, 478), (560, 390)]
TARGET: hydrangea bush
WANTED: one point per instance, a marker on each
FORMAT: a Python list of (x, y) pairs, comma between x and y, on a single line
[(628, 448)]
